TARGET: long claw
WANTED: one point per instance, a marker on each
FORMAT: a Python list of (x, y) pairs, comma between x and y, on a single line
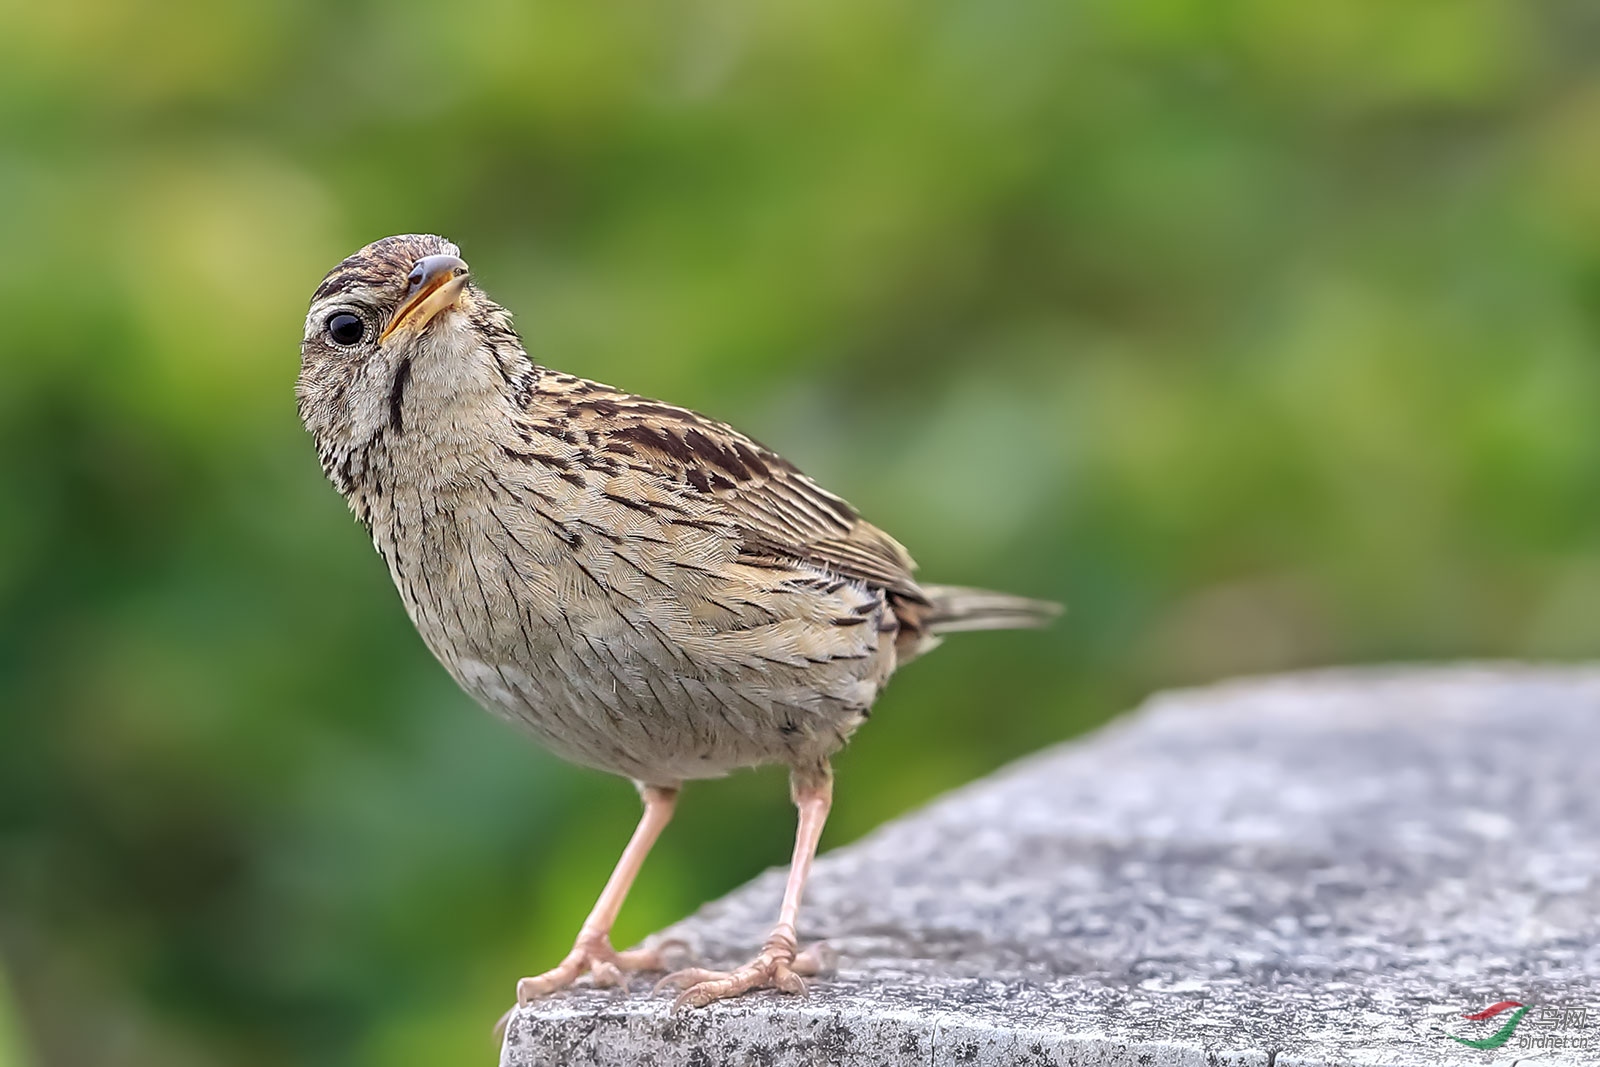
[(685, 978), (675, 947), (652, 959)]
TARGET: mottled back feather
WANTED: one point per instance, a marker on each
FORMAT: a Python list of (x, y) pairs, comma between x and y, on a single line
[(781, 513)]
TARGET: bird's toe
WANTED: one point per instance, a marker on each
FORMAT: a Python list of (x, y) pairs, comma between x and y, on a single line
[(593, 955), (770, 970)]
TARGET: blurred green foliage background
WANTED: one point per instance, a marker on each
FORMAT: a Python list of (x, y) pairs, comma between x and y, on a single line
[(1263, 333)]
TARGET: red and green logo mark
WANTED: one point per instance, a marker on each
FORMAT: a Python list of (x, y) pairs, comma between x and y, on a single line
[(1500, 1036)]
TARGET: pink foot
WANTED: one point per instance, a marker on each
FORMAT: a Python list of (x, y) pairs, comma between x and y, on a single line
[(592, 953), (777, 967)]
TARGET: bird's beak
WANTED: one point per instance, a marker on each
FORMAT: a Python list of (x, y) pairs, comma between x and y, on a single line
[(433, 285)]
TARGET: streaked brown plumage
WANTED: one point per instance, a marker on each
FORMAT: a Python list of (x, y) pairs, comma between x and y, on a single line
[(645, 590)]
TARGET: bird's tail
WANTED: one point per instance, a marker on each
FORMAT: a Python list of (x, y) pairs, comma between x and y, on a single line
[(954, 608)]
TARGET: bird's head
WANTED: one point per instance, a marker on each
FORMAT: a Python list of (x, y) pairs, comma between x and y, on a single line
[(397, 335)]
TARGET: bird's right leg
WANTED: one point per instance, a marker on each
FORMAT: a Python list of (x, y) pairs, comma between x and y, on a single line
[(592, 951)]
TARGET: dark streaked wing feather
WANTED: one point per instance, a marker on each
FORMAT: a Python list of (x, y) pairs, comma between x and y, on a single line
[(781, 513)]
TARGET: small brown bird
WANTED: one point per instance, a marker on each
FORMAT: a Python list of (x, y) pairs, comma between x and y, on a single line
[(645, 590)]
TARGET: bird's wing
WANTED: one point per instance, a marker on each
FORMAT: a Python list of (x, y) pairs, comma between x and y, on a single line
[(779, 512)]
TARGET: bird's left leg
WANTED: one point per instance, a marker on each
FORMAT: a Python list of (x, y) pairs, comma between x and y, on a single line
[(592, 951), (779, 965)]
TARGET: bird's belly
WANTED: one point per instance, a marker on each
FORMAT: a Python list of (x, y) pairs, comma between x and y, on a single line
[(662, 727)]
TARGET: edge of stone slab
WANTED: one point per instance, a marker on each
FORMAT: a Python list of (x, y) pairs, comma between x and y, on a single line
[(767, 1033)]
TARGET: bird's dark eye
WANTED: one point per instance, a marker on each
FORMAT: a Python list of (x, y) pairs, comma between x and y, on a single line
[(346, 329)]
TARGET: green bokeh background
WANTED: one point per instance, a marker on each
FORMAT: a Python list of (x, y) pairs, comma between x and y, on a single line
[(1263, 333)]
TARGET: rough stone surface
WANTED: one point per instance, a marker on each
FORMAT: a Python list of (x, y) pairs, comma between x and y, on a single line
[(1314, 870)]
